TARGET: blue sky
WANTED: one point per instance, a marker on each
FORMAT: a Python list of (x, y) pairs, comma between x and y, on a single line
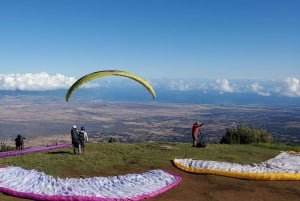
[(156, 39)]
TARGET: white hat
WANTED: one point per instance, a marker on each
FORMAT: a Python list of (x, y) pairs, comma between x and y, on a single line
[(74, 126)]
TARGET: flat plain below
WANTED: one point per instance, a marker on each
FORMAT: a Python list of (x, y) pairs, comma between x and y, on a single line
[(52, 119)]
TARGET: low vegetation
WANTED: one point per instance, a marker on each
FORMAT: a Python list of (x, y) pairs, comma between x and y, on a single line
[(5, 147), (242, 134)]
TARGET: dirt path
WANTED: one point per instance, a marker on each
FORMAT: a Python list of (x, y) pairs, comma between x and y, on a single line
[(196, 187)]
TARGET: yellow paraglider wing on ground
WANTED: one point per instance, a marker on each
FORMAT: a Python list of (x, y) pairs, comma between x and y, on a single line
[(100, 74), (285, 166)]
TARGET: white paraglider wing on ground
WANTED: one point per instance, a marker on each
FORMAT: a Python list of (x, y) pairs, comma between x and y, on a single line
[(285, 166)]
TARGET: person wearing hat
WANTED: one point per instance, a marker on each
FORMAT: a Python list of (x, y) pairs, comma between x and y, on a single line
[(75, 139), (195, 132)]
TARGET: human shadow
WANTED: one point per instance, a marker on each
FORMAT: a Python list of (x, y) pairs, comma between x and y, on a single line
[(59, 152)]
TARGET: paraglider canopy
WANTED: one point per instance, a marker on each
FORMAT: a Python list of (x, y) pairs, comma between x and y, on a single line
[(100, 74)]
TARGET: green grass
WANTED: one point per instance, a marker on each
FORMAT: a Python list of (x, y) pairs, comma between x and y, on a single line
[(108, 159), (105, 159)]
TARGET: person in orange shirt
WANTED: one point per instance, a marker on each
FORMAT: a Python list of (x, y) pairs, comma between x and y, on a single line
[(195, 132)]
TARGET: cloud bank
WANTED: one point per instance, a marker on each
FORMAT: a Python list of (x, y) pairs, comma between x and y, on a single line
[(37, 81), (289, 87)]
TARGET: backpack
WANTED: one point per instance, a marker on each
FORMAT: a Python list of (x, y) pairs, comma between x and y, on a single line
[(74, 135), (20, 139), (201, 144), (81, 136)]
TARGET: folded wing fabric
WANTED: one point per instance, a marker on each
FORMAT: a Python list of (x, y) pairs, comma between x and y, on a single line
[(285, 166), (36, 185)]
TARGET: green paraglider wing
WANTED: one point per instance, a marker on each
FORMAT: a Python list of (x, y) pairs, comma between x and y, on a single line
[(99, 74)]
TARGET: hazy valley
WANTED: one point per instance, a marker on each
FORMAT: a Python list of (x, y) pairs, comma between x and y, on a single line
[(37, 117)]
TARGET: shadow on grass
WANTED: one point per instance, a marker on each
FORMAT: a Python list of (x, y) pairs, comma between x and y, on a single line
[(60, 152)]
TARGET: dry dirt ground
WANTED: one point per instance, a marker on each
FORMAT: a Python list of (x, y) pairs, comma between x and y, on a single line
[(196, 187)]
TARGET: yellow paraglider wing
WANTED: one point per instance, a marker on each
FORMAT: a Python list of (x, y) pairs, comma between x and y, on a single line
[(104, 73)]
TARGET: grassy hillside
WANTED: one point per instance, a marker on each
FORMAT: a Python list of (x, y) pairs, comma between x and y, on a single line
[(106, 159)]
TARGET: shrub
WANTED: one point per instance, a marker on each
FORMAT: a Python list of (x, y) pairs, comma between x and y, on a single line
[(4, 147), (246, 135)]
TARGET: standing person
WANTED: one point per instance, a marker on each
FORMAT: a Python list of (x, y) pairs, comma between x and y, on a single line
[(75, 139), (83, 138), (195, 132), (20, 142)]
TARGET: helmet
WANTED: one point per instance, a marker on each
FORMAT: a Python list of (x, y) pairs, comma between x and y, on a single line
[(74, 126), (82, 128)]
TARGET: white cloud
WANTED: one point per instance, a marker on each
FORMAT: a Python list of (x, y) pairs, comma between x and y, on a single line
[(257, 88), (44, 81), (35, 81), (291, 87), (224, 85), (180, 85)]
